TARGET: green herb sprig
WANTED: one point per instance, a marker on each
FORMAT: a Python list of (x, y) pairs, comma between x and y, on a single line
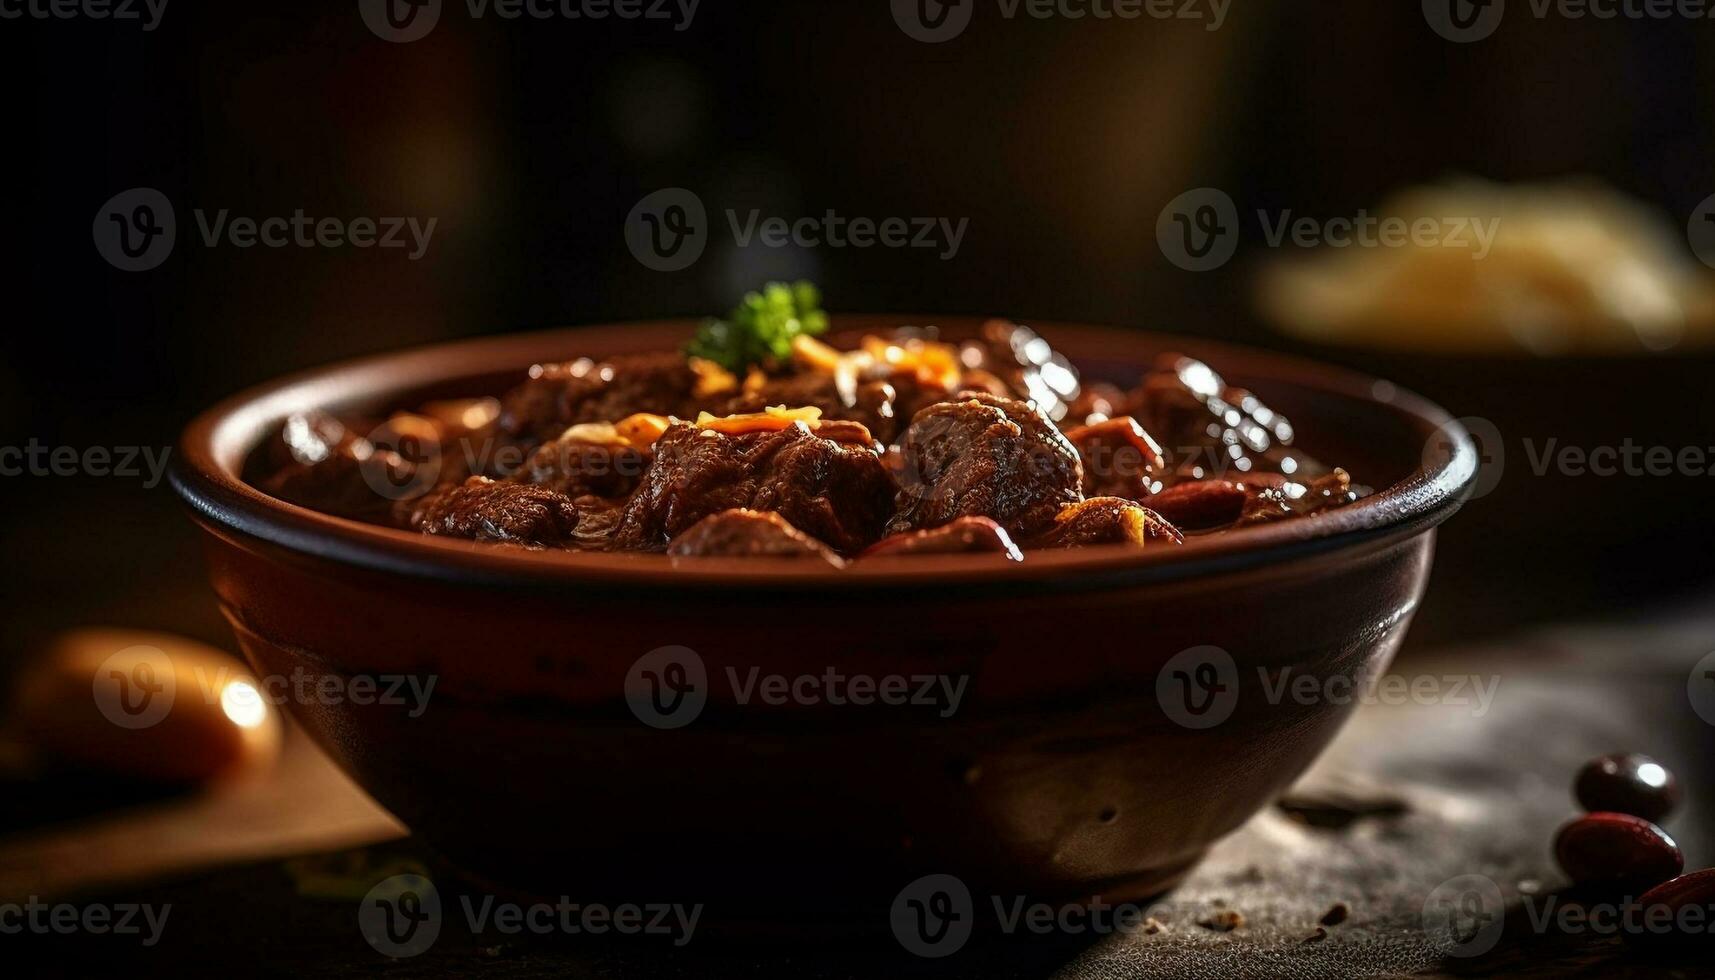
[(761, 328)]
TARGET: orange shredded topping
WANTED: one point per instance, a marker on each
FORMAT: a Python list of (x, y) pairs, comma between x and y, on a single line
[(772, 419), (778, 417), (933, 364), (814, 354), (633, 432), (712, 379)]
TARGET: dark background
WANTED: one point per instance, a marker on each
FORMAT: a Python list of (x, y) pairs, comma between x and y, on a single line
[(530, 141)]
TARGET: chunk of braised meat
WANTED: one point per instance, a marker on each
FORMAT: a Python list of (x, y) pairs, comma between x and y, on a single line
[(1106, 520), (1097, 402), (983, 455), (1120, 459), (481, 509), (1211, 429), (967, 535), (447, 441), (835, 491), (1270, 497), (330, 468), (578, 468), (1028, 364), (1207, 505), (560, 395), (1202, 505), (598, 517), (745, 534)]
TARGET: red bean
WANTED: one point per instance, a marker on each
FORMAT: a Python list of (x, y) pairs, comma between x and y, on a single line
[(1618, 850), (1677, 912), (1627, 783)]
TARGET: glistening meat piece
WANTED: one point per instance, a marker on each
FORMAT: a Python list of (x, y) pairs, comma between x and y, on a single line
[(560, 395), (1106, 520), (578, 468), (983, 455), (1210, 429), (483, 510), (326, 466), (1120, 459), (748, 533), (835, 491), (1029, 365), (967, 535)]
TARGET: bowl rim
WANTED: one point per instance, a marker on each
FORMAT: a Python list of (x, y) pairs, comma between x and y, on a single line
[(211, 452)]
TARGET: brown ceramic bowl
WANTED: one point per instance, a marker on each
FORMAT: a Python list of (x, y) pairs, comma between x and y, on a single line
[(1061, 774)]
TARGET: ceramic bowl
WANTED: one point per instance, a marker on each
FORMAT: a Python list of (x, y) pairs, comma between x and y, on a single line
[(633, 727)]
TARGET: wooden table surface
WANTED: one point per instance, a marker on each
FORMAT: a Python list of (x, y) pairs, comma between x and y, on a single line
[(266, 878)]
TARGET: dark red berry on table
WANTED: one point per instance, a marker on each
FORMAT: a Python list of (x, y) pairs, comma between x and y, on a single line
[(1618, 850), (1627, 783), (1677, 912)]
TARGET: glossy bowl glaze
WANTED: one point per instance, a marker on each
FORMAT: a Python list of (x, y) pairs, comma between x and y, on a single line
[(1060, 770)]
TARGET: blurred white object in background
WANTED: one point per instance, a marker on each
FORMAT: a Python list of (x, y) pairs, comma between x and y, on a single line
[(1573, 267)]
